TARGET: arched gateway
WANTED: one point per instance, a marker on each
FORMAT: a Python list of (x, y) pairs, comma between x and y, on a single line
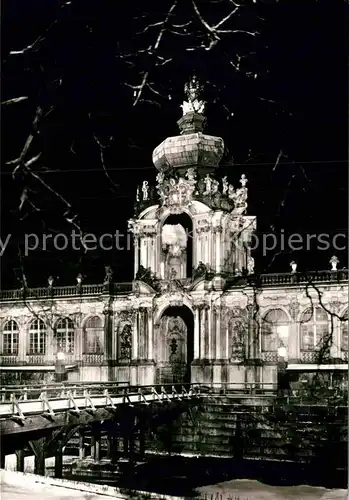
[(174, 345)]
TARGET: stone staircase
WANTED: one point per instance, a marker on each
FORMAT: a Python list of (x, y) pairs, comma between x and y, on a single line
[(256, 428)]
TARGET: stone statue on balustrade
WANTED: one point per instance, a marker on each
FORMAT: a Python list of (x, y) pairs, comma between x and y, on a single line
[(208, 185), (250, 265), (231, 192), (240, 197), (191, 175), (108, 278), (145, 189)]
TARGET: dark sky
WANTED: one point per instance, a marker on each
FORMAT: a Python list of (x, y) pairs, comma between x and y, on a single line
[(298, 104)]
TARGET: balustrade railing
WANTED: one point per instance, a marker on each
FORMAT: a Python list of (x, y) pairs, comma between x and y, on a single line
[(269, 356), (309, 356), (64, 291), (9, 360), (92, 359), (36, 359), (311, 277), (125, 287)]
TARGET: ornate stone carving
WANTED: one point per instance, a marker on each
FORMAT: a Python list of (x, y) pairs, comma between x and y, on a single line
[(250, 265), (274, 297), (225, 185), (203, 226), (191, 174), (194, 104), (125, 346), (138, 228), (176, 299), (126, 315), (238, 340), (175, 194), (294, 308), (335, 306)]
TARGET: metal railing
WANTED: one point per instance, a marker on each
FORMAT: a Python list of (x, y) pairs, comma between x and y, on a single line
[(21, 392), (58, 399)]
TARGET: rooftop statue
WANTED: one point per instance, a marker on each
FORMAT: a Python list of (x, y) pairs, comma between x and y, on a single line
[(194, 104)]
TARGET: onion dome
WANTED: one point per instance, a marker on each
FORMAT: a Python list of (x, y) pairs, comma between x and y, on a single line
[(192, 148)]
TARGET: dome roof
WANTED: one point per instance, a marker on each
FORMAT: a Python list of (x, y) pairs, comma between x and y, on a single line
[(191, 150)]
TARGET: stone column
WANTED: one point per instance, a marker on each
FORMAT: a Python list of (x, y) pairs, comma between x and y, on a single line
[(50, 355), (198, 247), (79, 344), (218, 354), (150, 335), (336, 338), (143, 251), (210, 321), (109, 336), (135, 335), (136, 254), (202, 332), (196, 332), (227, 335), (205, 243), (23, 334), (218, 250)]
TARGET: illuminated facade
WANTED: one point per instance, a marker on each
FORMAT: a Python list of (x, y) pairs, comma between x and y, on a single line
[(197, 310)]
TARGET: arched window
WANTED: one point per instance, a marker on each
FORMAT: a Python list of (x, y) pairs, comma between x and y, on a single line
[(65, 335), (10, 338), (177, 246), (313, 328), (93, 336), (344, 331), (275, 326), (37, 337)]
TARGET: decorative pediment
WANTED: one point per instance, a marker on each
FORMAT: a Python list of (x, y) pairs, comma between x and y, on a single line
[(141, 288)]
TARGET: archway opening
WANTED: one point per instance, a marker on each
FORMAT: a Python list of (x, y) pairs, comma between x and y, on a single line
[(177, 245), (175, 346)]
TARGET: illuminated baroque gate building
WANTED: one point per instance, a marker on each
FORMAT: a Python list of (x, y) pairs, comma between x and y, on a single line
[(196, 310)]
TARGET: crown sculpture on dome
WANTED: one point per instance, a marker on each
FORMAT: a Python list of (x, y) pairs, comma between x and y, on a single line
[(193, 90)]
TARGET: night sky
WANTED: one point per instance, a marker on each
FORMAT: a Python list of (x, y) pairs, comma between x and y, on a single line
[(297, 105)]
